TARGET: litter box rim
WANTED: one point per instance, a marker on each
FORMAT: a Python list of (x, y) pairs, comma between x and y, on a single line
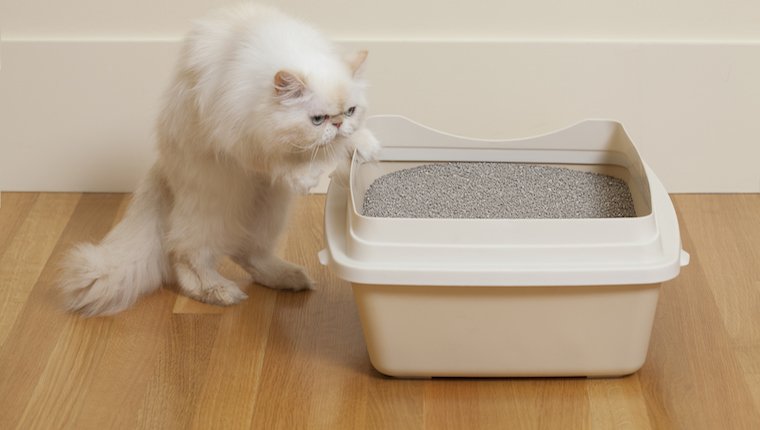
[(653, 257)]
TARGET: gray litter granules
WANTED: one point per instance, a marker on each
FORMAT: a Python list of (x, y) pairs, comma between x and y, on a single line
[(497, 190)]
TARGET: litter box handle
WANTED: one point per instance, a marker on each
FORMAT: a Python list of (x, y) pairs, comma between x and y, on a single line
[(685, 257), (324, 257)]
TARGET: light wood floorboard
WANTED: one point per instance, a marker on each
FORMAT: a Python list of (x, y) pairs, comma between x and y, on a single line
[(284, 360)]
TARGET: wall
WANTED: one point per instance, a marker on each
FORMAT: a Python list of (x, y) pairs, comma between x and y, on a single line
[(695, 20), (79, 80)]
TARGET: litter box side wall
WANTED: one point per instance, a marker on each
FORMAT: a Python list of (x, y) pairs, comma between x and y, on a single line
[(588, 145), (591, 141), (418, 331)]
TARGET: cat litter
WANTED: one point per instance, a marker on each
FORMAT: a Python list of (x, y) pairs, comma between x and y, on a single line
[(497, 190), (544, 289)]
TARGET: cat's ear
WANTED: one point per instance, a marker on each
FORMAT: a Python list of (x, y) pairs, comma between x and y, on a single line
[(288, 86), (355, 62)]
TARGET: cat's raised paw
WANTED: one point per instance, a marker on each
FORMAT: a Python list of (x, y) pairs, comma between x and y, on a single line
[(367, 146)]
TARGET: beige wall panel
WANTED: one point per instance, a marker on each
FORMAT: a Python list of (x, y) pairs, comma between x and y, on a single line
[(78, 116)]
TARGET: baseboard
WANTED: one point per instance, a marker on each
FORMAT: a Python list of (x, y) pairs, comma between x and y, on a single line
[(78, 115)]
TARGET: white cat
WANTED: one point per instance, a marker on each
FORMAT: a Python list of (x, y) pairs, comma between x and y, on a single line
[(259, 104)]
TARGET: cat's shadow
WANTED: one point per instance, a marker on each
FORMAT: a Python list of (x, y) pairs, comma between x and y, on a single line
[(320, 329)]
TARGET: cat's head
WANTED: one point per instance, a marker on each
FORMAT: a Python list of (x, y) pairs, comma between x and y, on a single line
[(311, 115)]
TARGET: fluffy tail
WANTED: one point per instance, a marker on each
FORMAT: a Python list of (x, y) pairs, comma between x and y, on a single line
[(130, 262)]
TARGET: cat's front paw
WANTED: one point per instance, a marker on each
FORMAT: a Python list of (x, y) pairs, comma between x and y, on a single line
[(277, 274), (367, 146), (293, 278)]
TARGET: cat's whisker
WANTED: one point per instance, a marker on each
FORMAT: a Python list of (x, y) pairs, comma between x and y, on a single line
[(329, 154), (301, 148), (332, 154), (314, 156)]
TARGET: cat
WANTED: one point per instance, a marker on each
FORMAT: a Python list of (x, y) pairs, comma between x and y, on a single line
[(258, 105)]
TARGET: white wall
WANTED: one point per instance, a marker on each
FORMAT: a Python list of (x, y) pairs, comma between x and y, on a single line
[(712, 20), (80, 79)]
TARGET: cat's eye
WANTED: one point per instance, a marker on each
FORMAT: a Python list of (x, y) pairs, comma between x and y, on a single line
[(350, 111), (318, 119)]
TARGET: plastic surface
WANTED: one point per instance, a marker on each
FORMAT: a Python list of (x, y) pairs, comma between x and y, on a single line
[(539, 297), (505, 252), (414, 331)]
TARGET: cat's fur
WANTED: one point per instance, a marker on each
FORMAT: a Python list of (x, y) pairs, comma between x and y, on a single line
[(236, 142)]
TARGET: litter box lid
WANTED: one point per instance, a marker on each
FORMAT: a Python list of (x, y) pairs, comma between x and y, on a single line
[(504, 252)]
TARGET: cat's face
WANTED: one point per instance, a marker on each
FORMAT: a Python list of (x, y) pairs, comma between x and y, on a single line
[(315, 115)]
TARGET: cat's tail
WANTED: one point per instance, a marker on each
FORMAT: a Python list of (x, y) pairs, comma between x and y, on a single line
[(130, 262)]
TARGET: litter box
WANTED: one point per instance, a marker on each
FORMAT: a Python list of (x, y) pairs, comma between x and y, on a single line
[(505, 297)]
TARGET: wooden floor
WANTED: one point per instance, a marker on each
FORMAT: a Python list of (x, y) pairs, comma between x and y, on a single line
[(297, 360)]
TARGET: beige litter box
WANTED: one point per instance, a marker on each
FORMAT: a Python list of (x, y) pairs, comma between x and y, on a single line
[(505, 297)]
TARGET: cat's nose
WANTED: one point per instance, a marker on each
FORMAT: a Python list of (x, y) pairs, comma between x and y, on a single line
[(338, 124)]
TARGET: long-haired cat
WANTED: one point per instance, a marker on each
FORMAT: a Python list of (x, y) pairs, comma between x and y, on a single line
[(258, 105)]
